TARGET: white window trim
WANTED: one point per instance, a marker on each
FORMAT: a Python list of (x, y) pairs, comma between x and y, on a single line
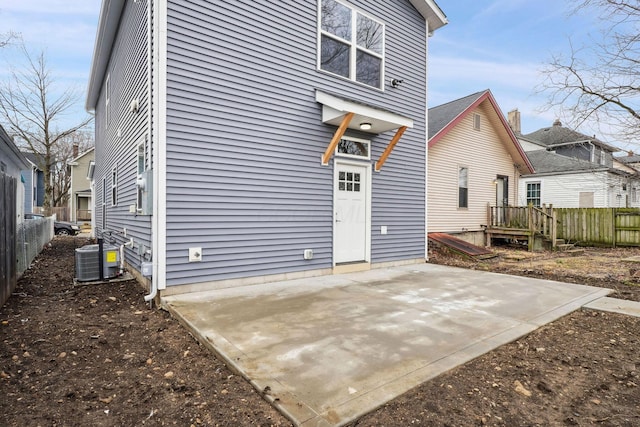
[(353, 156), (476, 121), (353, 45), (141, 146), (526, 191), (107, 99), (104, 203), (114, 186), (460, 167)]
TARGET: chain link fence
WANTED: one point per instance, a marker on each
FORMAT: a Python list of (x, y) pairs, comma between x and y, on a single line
[(31, 236)]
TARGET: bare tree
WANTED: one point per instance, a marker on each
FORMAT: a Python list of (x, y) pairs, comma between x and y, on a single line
[(65, 152), (600, 83), (7, 38), (32, 109)]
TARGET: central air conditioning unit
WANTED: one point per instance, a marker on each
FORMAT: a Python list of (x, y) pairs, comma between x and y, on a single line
[(88, 262)]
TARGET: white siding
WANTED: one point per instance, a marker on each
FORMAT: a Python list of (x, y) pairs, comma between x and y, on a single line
[(486, 157), (563, 191), (529, 146)]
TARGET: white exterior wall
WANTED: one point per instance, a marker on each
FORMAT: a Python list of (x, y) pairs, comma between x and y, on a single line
[(485, 156), (529, 146), (563, 191)]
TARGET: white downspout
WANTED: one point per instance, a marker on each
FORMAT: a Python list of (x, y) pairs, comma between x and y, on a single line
[(151, 146), (157, 84)]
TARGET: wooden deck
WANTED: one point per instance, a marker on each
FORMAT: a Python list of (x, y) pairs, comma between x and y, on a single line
[(522, 223)]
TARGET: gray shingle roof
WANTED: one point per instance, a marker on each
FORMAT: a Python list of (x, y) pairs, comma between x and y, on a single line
[(545, 161), (441, 115), (634, 158), (558, 134)]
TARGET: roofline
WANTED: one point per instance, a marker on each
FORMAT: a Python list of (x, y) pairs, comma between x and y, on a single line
[(430, 10), (588, 141), (83, 154), (110, 13), (12, 146), (486, 95), (568, 172)]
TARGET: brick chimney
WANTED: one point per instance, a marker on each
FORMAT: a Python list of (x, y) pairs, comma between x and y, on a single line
[(75, 150), (513, 117)]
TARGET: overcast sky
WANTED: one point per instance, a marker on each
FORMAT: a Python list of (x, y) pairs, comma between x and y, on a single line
[(488, 44)]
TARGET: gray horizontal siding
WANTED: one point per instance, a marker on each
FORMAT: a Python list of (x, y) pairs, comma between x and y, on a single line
[(244, 135), (127, 68)]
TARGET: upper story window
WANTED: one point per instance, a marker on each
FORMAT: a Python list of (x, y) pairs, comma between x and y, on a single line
[(351, 44)]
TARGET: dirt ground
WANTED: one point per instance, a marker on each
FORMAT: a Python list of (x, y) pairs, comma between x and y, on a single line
[(96, 355)]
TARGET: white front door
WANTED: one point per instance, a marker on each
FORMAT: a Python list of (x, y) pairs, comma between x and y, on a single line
[(351, 211)]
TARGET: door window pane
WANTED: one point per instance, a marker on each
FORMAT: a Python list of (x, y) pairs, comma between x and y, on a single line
[(349, 181)]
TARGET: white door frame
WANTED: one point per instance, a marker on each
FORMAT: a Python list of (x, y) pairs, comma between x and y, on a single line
[(367, 166)]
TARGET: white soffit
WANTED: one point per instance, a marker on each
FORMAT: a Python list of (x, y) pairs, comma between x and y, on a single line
[(334, 109)]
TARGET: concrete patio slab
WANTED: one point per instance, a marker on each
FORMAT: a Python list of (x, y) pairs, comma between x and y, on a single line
[(615, 305), (329, 349)]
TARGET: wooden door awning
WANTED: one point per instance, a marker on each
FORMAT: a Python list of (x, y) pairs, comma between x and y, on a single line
[(347, 114)]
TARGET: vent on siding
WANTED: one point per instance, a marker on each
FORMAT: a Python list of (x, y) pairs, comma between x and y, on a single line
[(476, 121)]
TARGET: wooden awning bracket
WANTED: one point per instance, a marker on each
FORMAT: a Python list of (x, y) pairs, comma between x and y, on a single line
[(389, 149), (336, 138)]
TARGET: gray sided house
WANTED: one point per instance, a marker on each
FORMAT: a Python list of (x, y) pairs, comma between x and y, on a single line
[(243, 142), (12, 162), (33, 178)]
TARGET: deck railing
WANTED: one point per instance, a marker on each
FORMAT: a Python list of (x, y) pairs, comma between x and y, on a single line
[(528, 219)]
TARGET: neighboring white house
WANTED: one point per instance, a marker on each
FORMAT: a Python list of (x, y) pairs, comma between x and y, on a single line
[(573, 170)]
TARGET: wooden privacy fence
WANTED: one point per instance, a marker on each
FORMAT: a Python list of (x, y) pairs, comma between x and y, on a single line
[(599, 226), (8, 258), (62, 213)]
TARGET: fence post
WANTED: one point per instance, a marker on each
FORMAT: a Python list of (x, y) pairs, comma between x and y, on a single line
[(532, 233), (554, 229), (613, 226)]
